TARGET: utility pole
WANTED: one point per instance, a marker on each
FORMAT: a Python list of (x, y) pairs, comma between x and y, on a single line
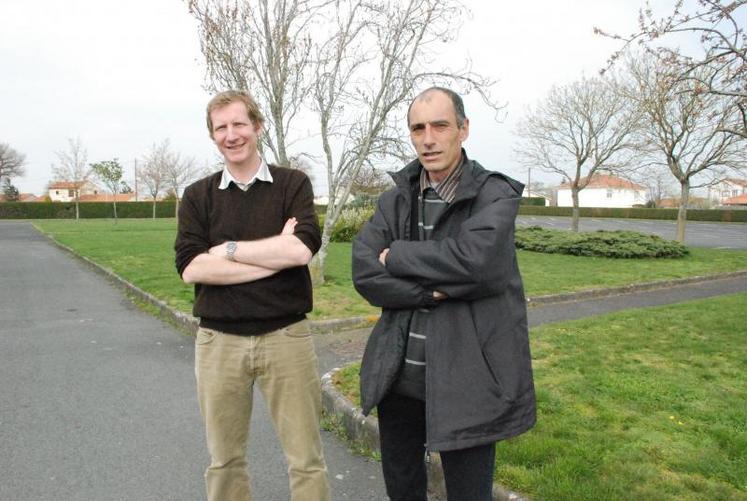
[(529, 184), (136, 199)]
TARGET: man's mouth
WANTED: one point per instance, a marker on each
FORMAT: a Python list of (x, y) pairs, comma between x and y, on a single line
[(431, 154)]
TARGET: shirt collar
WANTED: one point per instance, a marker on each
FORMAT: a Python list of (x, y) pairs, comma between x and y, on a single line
[(263, 174), (446, 189)]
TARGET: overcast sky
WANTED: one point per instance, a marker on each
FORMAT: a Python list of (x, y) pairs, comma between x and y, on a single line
[(122, 75)]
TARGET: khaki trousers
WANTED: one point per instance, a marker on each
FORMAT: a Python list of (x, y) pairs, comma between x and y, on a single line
[(284, 365)]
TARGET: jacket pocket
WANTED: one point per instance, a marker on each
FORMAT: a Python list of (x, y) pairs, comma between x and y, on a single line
[(508, 360)]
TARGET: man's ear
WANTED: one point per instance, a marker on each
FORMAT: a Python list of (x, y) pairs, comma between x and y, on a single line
[(464, 131)]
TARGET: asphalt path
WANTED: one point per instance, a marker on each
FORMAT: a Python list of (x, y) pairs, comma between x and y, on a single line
[(97, 400), (697, 233)]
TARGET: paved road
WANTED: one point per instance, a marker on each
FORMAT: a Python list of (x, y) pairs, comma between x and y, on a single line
[(97, 400), (697, 233)]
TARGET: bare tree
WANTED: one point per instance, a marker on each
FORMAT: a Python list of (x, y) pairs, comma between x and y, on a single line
[(153, 172), (11, 162), (371, 182), (576, 131), (262, 46), (72, 166), (718, 67), (370, 67), (685, 130), (355, 63), (178, 171)]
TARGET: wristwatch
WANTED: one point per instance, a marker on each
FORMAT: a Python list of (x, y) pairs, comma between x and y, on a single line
[(230, 250)]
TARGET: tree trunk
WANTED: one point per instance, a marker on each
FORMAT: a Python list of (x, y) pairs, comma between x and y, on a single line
[(575, 214), (77, 210), (682, 212), (154, 207), (115, 211), (317, 264)]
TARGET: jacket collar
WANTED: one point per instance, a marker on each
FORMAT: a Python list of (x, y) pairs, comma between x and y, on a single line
[(473, 177)]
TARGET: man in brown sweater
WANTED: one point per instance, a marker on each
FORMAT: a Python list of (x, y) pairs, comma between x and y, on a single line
[(246, 235)]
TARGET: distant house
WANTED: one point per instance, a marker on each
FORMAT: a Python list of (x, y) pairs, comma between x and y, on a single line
[(29, 197), (24, 197), (674, 203), (739, 201), (604, 190), (727, 189), (65, 191)]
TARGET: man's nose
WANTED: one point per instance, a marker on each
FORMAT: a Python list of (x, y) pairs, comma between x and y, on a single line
[(230, 133), (428, 137)]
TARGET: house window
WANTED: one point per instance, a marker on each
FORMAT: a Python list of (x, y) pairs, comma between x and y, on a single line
[(734, 193), (71, 193), (725, 193), (609, 193), (56, 192)]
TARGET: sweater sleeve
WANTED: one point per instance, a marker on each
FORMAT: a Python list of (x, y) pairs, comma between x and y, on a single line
[(192, 232), (300, 203)]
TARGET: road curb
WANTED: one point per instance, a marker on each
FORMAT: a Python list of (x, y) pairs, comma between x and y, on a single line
[(569, 297), (188, 323)]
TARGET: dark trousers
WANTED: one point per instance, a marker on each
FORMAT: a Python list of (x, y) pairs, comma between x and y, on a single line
[(468, 472)]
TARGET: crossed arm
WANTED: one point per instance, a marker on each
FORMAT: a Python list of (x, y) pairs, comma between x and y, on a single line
[(253, 259), (478, 262)]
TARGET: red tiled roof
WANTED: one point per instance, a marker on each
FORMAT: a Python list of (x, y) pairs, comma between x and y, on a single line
[(23, 197), (65, 185), (740, 200), (607, 181)]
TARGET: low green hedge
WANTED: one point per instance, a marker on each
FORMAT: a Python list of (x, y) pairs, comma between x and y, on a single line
[(602, 243), (536, 201), (719, 215), (88, 210)]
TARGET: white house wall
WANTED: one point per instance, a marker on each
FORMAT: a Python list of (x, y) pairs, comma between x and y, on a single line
[(603, 197)]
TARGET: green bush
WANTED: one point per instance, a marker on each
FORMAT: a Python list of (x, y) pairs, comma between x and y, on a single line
[(350, 223), (536, 201), (602, 243)]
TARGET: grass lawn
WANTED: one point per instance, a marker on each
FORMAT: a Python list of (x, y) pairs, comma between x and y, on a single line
[(141, 251), (640, 404)]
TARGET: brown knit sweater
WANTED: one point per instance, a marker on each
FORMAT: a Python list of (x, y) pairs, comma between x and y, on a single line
[(209, 216)]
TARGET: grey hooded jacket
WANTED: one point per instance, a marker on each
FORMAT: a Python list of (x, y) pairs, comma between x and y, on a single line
[(479, 386)]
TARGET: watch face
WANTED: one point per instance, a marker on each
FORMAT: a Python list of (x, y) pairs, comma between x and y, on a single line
[(230, 249)]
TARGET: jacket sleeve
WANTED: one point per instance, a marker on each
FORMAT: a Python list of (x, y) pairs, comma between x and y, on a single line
[(478, 262), (372, 280)]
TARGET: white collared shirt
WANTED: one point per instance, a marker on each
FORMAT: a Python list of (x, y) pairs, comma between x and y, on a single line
[(263, 174)]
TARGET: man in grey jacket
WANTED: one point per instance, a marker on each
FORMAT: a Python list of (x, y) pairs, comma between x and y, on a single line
[(448, 364)]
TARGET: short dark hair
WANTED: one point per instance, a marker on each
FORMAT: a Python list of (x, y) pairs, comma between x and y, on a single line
[(456, 100)]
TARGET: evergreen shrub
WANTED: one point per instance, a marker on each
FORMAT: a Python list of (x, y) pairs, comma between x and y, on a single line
[(602, 243)]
